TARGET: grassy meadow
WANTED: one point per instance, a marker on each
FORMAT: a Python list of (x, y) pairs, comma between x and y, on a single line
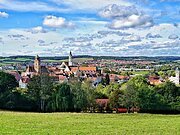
[(18, 123)]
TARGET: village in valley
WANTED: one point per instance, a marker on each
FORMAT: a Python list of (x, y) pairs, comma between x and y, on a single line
[(89, 67), (105, 77), (118, 71), (77, 85)]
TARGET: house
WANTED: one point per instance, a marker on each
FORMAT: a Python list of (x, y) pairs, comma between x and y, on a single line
[(155, 80), (15, 74), (176, 78), (102, 105), (24, 82), (60, 73), (118, 78)]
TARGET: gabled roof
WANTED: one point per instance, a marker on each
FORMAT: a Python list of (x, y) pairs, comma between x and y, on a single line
[(64, 65), (15, 74)]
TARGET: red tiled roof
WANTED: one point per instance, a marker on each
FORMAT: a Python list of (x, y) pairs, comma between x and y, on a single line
[(74, 69), (15, 74), (62, 77), (87, 68), (154, 80), (102, 101), (121, 77)]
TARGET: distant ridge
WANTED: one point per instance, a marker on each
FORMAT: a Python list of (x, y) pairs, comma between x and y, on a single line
[(154, 58)]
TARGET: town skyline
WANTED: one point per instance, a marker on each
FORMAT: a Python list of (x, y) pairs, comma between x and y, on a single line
[(106, 28)]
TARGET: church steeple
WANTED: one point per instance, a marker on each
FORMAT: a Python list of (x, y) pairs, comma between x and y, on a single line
[(37, 64), (70, 59)]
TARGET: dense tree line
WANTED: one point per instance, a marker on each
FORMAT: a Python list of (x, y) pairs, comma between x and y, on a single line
[(43, 95)]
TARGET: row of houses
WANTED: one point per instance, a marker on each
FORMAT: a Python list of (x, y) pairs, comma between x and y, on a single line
[(64, 72), (69, 70)]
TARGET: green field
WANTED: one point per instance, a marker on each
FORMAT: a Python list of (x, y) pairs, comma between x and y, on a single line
[(83, 123), (10, 61), (74, 60)]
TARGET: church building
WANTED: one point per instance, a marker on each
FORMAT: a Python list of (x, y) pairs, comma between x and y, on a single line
[(60, 73)]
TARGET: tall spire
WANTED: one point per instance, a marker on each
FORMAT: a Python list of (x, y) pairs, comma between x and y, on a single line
[(37, 64), (70, 59), (37, 57)]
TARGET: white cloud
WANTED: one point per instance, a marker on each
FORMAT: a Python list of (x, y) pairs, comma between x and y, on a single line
[(57, 22), (17, 5), (4, 15), (173, 36), (60, 6), (90, 5), (124, 17), (37, 29), (109, 42), (151, 36), (1, 40), (114, 11), (133, 21), (132, 38)]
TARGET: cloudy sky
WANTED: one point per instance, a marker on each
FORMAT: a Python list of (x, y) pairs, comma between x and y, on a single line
[(90, 27)]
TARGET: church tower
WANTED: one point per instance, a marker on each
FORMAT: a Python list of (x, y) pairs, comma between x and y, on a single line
[(37, 64), (70, 59)]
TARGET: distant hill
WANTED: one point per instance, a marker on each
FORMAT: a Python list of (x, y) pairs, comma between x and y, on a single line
[(27, 59), (158, 58)]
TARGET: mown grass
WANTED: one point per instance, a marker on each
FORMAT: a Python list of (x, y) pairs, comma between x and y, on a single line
[(81, 123)]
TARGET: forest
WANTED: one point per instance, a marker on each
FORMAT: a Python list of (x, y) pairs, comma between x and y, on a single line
[(43, 95)]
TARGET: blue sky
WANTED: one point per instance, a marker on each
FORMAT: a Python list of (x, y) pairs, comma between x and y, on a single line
[(90, 27)]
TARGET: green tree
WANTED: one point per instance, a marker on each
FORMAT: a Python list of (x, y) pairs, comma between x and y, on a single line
[(40, 89), (162, 74), (99, 92), (79, 97), (149, 100), (170, 93), (116, 99), (130, 90), (109, 89), (63, 98), (91, 97), (7, 84), (168, 90)]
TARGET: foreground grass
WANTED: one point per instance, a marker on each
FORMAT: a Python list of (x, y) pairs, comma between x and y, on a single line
[(96, 124)]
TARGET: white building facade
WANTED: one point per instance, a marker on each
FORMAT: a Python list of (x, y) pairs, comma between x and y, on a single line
[(176, 78)]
